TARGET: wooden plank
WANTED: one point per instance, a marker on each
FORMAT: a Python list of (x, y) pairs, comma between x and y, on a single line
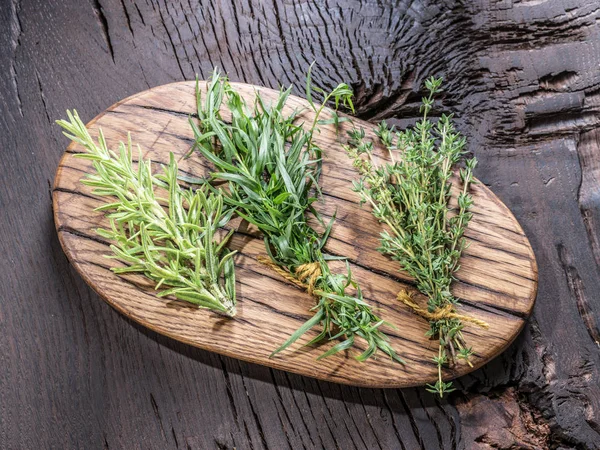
[(498, 279)]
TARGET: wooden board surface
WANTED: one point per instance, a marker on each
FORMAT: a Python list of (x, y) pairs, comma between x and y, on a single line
[(497, 280)]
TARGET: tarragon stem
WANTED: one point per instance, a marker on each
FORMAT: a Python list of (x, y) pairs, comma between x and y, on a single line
[(272, 167)]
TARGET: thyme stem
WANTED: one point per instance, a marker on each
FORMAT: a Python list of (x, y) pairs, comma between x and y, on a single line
[(411, 196)]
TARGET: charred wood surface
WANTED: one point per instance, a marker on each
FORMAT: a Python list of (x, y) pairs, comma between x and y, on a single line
[(523, 80)]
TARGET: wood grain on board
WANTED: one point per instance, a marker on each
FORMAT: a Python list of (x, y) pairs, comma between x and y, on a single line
[(497, 281)]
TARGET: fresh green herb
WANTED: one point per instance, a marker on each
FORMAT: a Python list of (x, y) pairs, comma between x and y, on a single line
[(410, 195), (175, 248), (272, 167)]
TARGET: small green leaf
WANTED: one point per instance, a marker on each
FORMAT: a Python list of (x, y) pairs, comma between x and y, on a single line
[(314, 320), (345, 345)]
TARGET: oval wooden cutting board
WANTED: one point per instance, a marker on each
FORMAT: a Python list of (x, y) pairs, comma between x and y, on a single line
[(497, 280)]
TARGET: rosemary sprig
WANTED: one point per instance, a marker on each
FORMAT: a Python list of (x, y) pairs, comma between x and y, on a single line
[(410, 195), (175, 248), (272, 167)]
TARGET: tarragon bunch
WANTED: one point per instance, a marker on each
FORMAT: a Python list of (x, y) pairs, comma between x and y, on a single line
[(411, 194), (176, 247), (272, 167)]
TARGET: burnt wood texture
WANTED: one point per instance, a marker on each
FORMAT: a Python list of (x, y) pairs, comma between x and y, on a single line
[(523, 79), (497, 281)]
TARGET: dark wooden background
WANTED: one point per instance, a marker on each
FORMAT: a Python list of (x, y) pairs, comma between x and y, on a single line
[(524, 81)]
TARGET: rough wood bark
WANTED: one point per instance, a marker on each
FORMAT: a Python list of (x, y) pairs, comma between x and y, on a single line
[(524, 82)]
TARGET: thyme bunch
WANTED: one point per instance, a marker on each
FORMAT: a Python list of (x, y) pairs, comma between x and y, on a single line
[(177, 247), (410, 195), (272, 167)]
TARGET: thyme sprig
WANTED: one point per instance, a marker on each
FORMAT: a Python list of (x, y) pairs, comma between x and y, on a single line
[(272, 167), (410, 195), (177, 247)]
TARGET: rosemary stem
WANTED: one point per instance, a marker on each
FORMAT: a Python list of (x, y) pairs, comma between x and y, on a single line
[(173, 247)]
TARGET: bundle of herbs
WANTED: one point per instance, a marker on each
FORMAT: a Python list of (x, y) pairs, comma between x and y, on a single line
[(272, 168), (176, 247), (410, 194)]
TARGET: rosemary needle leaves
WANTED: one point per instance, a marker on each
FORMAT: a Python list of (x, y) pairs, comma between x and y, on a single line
[(410, 195), (272, 167), (175, 248)]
